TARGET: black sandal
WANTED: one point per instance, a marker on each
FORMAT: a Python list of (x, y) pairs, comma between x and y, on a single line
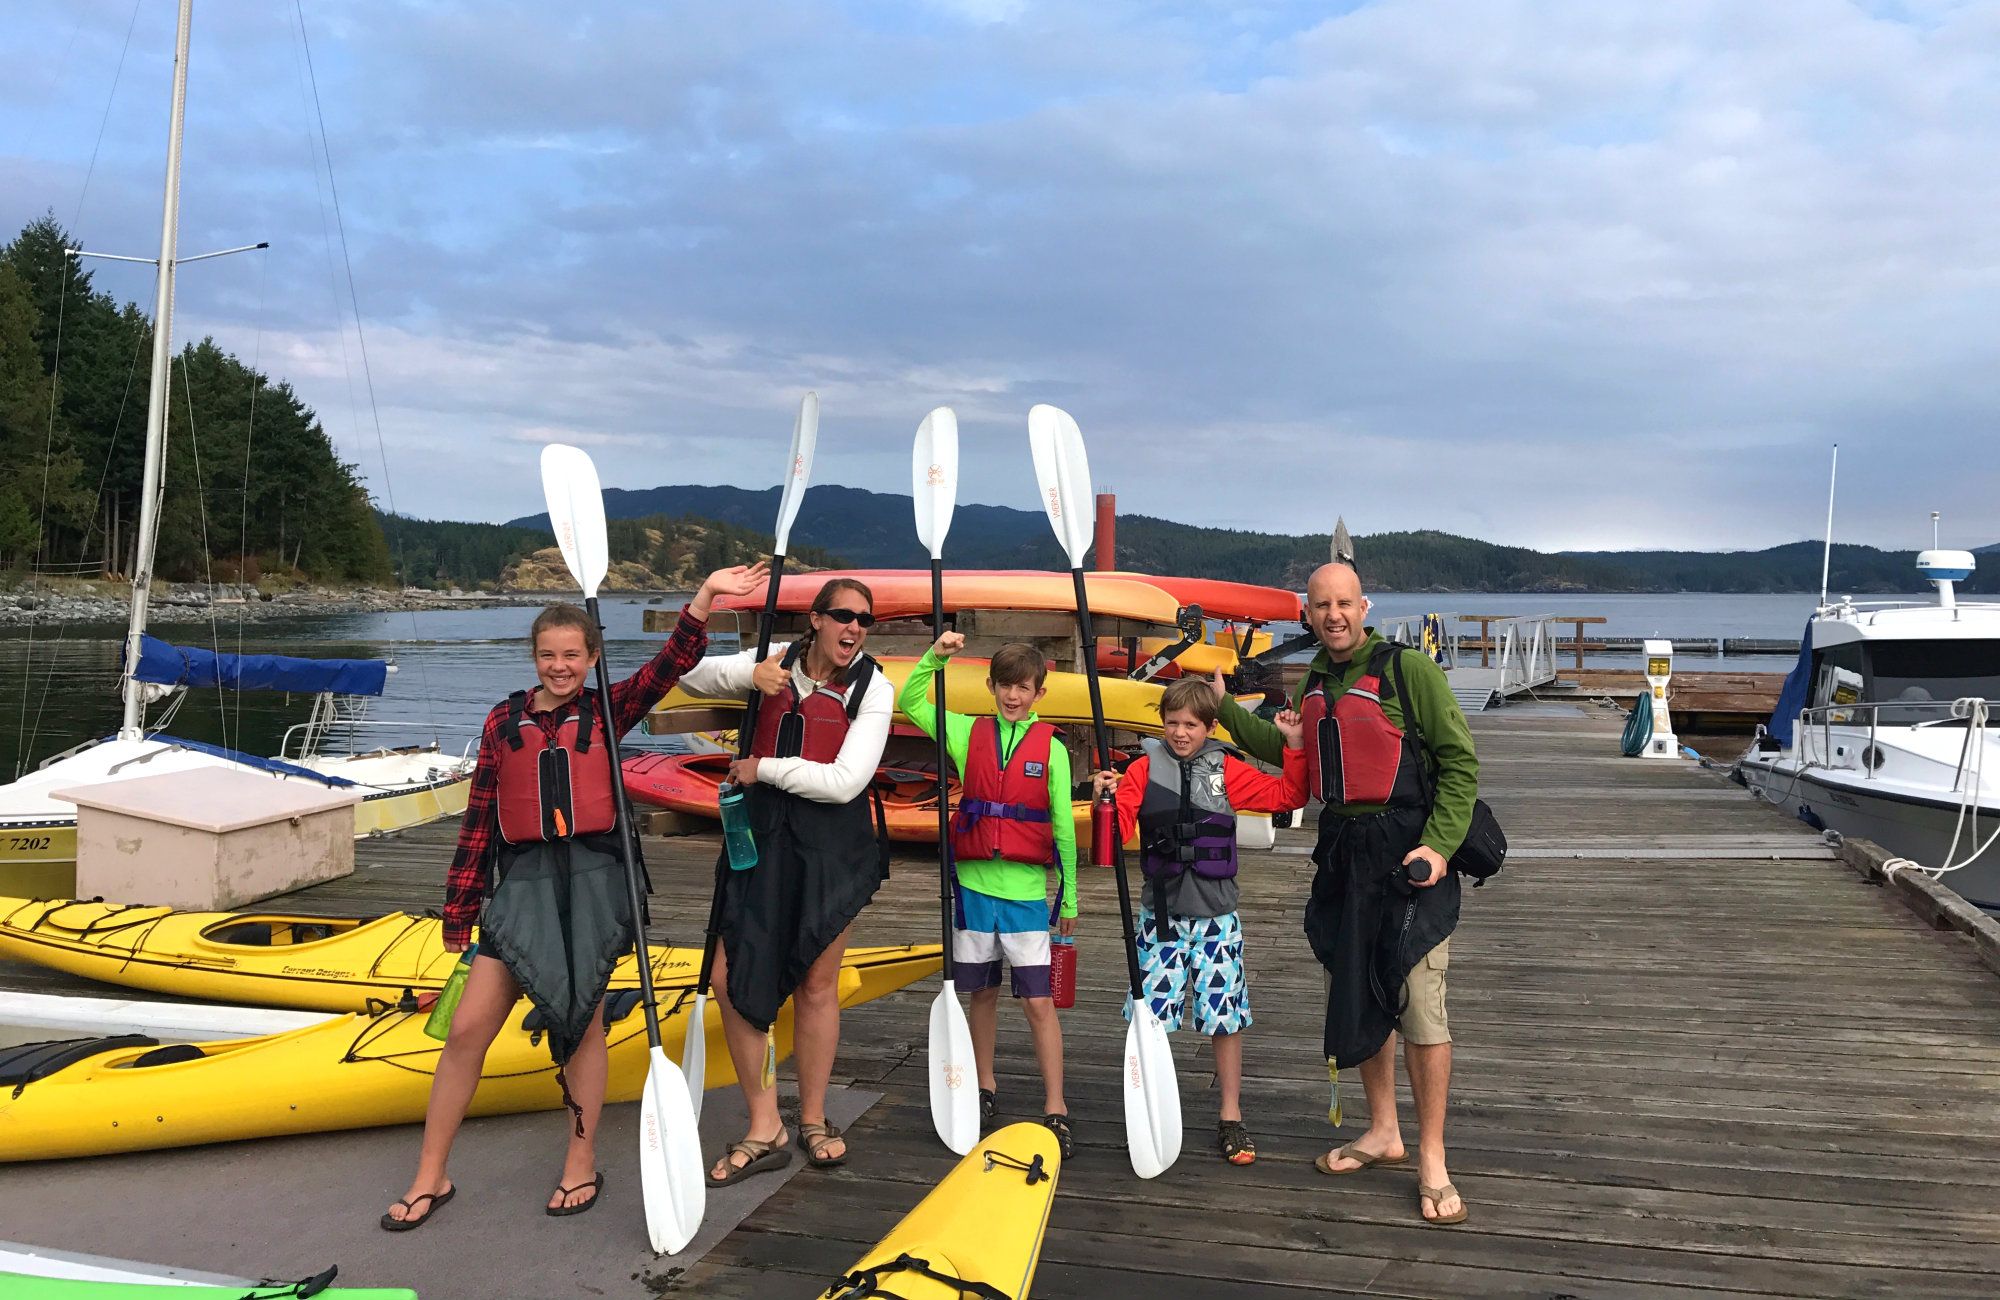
[(758, 1157), (1234, 1139), (989, 1105), (1059, 1125), (390, 1223), (596, 1187)]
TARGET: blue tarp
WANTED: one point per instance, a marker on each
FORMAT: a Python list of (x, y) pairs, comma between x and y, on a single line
[(174, 665), (278, 765), (1793, 694)]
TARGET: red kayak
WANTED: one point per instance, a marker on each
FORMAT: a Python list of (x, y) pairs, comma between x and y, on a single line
[(688, 783)]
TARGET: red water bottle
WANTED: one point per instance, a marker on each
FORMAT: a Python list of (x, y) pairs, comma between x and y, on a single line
[(1062, 970), (1104, 831)]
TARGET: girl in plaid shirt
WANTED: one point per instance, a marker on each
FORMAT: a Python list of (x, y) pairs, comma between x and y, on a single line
[(561, 711)]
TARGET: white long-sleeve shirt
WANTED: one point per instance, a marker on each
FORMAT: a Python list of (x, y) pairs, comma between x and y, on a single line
[(840, 781)]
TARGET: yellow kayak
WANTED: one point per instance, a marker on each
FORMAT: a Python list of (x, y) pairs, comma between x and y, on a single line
[(983, 1224), (312, 963), (101, 1096)]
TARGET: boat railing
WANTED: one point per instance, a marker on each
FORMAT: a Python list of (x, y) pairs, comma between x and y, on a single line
[(347, 714), (1816, 729)]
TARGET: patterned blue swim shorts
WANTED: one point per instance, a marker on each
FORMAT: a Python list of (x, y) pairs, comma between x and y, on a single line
[(1210, 948)]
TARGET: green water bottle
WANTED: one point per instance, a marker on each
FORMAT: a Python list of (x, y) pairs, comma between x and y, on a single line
[(736, 834), (439, 1025)]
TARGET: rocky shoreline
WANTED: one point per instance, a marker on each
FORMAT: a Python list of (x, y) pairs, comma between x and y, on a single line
[(195, 603)]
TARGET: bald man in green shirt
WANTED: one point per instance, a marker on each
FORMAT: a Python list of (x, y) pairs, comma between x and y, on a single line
[(1384, 900)]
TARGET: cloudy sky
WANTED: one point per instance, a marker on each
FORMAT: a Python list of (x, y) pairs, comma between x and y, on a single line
[(1566, 273)]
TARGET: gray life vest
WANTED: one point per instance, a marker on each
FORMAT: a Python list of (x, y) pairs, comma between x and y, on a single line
[(1185, 821)]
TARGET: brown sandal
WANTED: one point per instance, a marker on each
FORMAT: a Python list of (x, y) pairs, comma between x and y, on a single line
[(817, 1138), (758, 1157), (1436, 1196)]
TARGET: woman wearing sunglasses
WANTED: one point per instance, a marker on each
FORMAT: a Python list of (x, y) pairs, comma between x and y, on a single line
[(821, 727)]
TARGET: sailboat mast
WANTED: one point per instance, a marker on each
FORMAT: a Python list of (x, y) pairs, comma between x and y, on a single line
[(157, 392)]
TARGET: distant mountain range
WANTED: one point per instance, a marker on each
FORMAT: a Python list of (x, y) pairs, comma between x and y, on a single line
[(874, 530)]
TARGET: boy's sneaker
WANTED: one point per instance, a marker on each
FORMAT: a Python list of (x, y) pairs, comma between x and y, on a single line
[(1059, 1125), (1234, 1140), (989, 1105)]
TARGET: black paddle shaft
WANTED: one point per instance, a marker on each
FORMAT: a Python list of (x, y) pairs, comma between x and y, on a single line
[(746, 736), (1089, 651), (944, 770), (625, 833)]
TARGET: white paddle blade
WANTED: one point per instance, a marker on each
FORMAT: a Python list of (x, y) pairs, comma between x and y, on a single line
[(1062, 473), (671, 1178), (954, 1074), (576, 513), (798, 470), (1152, 1096), (694, 1053), (934, 478)]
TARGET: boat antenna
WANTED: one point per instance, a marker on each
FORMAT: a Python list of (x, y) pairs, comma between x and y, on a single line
[(1826, 558), (1934, 530)]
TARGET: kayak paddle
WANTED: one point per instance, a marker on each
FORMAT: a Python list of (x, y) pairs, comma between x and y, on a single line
[(798, 469), (1152, 1092), (670, 1167), (954, 1073)]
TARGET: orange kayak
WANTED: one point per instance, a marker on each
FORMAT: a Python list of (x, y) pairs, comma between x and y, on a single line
[(688, 783), (906, 593)]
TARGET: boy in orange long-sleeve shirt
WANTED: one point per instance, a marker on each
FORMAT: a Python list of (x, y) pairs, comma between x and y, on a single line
[(1183, 795)]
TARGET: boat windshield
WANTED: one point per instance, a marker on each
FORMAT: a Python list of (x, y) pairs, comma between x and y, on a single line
[(1923, 674)]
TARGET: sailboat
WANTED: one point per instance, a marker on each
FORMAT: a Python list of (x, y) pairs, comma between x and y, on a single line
[(400, 787)]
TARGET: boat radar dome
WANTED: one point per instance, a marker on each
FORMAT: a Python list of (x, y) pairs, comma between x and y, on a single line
[(1945, 568)]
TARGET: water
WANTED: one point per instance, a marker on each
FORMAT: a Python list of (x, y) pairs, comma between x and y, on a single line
[(57, 686)]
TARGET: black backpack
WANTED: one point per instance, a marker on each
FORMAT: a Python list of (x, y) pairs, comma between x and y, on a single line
[(1484, 850)]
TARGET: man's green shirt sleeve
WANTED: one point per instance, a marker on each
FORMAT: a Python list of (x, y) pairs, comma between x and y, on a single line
[(1253, 735)]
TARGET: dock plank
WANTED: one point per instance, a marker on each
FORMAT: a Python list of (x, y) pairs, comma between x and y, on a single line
[(1695, 1057)]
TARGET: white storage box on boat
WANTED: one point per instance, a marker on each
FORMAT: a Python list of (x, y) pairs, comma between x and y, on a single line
[(212, 839)]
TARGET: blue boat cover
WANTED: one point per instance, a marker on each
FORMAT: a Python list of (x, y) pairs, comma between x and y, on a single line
[(174, 665), (1792, 695), (278, 765)]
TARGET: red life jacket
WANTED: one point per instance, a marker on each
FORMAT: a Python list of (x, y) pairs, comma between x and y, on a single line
[(1003, 809), (814, 726), (1354, 754), (559, 790)]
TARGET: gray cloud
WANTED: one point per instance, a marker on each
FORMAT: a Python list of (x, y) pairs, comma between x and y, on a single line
[(1562, 273)]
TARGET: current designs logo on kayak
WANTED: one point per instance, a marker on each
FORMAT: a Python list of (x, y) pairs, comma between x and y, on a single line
[(317, 972)]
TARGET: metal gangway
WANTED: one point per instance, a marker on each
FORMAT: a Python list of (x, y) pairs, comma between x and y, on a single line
[(1516, 654)]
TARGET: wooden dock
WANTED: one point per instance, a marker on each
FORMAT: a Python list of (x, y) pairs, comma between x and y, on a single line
[(1696, 1055)]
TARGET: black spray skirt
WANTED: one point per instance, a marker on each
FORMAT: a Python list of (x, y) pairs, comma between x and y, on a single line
[(560, 918), (818, 864), (1367, 933)]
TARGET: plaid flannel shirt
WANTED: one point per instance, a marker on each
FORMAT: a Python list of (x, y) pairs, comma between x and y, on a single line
[(479, 834)]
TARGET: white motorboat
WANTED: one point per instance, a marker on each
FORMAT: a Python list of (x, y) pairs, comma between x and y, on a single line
[(1881, 729)]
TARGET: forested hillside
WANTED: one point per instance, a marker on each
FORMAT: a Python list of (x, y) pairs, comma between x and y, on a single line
[(250, 474)]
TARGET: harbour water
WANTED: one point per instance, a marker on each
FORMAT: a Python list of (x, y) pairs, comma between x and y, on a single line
[(57, 683)]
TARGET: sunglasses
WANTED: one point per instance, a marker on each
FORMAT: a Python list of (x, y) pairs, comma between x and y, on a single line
[(844, 616)]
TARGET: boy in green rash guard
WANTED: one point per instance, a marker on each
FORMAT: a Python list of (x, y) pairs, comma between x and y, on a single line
[(1014, 823)]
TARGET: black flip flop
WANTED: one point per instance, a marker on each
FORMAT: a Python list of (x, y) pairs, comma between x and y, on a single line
[(392, 1224), (596, 1186), (1059, 1125)]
